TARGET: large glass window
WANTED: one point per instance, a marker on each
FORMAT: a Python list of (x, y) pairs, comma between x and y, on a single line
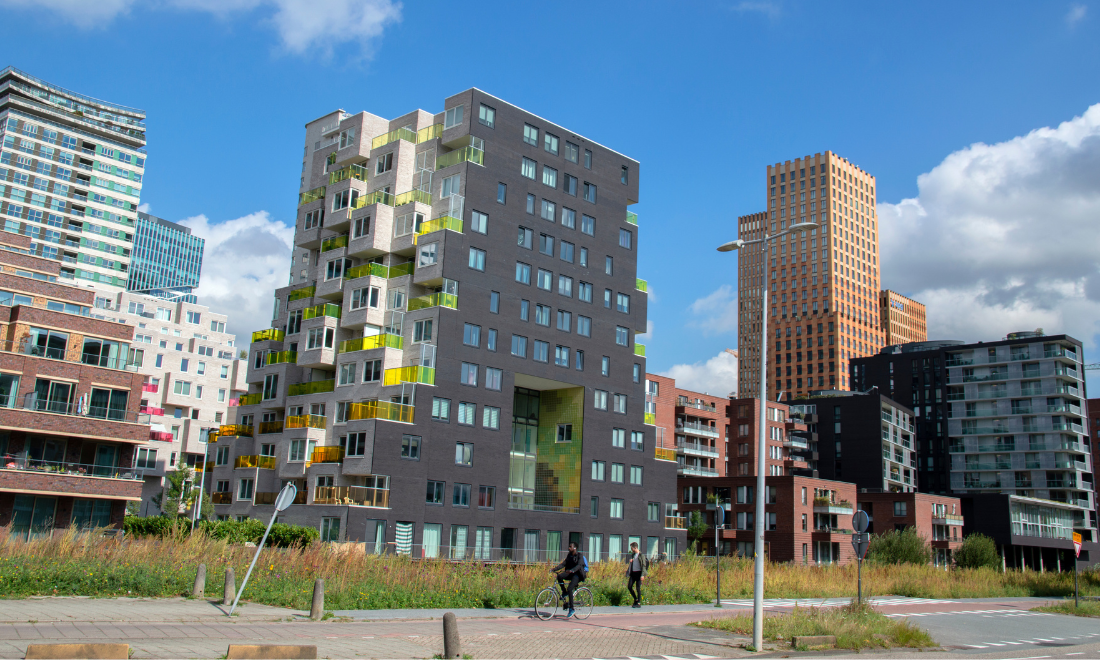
[(47, 343), (104, 353)]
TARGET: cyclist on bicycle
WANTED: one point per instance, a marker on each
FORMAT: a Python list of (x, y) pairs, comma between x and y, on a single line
[(574, 568)]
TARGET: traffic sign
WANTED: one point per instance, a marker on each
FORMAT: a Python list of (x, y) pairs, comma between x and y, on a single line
[(720, 515), (286, 497), (860, 541), (1076, 544), (861, 521)]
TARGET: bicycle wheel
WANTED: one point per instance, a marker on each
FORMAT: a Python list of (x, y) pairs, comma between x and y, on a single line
[(546, 603), (583, 603)]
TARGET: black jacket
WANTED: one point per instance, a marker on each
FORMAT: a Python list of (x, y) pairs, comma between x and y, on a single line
[(572, 564)]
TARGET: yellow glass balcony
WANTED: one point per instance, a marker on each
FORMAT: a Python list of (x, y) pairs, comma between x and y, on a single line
[(327, 455), (438, 299), (651, 419), (429, 133), (413, 196), (352, 495), (443, 222), (393, 136), (282, 357), (313, 387), (401, 269), (299, 294), (271, 334), (334, 242), (222, 498), (271, 427), (326, 309), (250, 399), (365, 270), (376, 341), (641, 285), (675, 522), (387, 410), (664, 454), (235, 429), (632, 218), (311, 195), (639, 349), (264, 462), (350, 172), (465, 154), (305, 422), (423, 375), (376, 197)]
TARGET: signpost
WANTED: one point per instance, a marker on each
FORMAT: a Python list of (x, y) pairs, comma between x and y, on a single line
[(860, 540), (1076, 556), (284, 500), (719, 521)]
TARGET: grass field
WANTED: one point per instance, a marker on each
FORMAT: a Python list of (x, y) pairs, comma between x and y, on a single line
[(71, 564), (1083, 608)]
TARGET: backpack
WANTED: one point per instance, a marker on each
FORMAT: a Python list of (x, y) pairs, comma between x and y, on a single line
[(584, 565)]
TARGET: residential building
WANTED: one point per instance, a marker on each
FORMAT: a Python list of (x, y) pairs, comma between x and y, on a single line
[(791, 439), (1094, 442), (903, 319), (1005, 418), (823, 283), (865, 438), (192, 375), (458, 277), (71, 172), (72, 440), (809, 520), (937, 518), (166, 260), (693, 424)]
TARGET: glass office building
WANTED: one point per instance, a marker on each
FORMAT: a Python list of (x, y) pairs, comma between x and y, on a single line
[(166, 261)]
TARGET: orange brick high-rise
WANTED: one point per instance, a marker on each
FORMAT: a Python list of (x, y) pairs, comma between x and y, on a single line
[(904, 320), (823, 284)]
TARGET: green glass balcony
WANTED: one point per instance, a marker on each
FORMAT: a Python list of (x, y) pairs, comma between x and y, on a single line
[(439, 299), (300, 294), (326, 309), (334, 242), (250, 399), (632, 218), (271, 334), (282, 357), (429, 133), (350, 172), (444, 222), (639, 349), (641, 285), (465, 154), (400, 270), (394, 412), (311, 195), (393, 136), (313, 387), (423, 375), (651, 419), (413, 196), (376, 341), (366, 270), (376, 197)]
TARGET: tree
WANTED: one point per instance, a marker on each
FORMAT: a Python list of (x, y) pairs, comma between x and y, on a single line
[(180, 494), (977, 550), (697, 525), (904, 546)]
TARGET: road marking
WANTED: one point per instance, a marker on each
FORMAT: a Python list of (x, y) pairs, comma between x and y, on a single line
[(975, 646), (994, 643), (1077, 653)]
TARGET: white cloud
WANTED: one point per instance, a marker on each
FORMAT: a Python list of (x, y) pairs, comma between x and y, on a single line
[(1075, 14), (717, 376), (144, 207), (302, 25), (244, 261), (1002, 237), (716, 313)]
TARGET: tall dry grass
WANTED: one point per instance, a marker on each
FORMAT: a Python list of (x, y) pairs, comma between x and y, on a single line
[(75, 564)]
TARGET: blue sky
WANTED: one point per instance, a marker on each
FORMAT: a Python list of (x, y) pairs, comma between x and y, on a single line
[(704, 94)]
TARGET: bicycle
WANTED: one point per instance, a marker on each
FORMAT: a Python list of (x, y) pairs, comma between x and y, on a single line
[(550, 599)]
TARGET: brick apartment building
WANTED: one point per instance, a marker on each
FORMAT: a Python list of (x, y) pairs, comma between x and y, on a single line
[(938, 518), (792, 439), (72, 441), (691, 423), (1094, 439)]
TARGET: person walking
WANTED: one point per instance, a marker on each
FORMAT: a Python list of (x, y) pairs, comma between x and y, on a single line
[(637, 566)]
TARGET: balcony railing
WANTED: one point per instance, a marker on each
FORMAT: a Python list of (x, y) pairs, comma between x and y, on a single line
[(305, 421), (675, 522), (438, 299), (697, 447), (250, 399), (378, 270), (439, 224), (33, 403), (429, 133), (685, 402), (352, 171), (271, 427), (150, 387), (696, 471), (334, 243), (151, 410), (270, 497), (376, 197), (311, 195), (413, 196), (639, 349), (222, 497), (26, 464), (651, 419), (978, 483), (641, 285), (393, 136), (243, 430), (374, 341), (271, 334), (299, 294), (281, 357), (632, 218), (72, 353), (265, 462), (312, 387), (378, 498), (665, 454), (387, 410), (161, 436), (990, 465), (957, 362), (465, 154), (325, 309), (327, 455), (423, 375)]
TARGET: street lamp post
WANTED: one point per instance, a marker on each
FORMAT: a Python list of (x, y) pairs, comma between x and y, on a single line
[(202, 482), (762, 436)]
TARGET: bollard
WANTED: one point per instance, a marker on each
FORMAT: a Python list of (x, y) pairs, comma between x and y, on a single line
[(451, 646), (230, 586), (200, 582), (317, 609)]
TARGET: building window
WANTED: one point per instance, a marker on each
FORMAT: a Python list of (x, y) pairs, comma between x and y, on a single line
[(464, 453), (490, 417), (487, 116), (477, 259), (471, 335), (587, 159), (485, 496), (599, 400), (519, 346), (605, 366), (598, 470), (622, 336), (589, 192), (493, 378), (427, 254), (616, 511), (636, 475), (541, 352), (571, 152), (453, 117), (618, 438), (410, 447), (479, 222), (502, 193), (441, 409), (637, 440), (527, 169), (244, 490), (434, 493), (494, 302), (622, 303), (461, 495), (620, 403), (422, 330), (531, 135), (900, 509), (469, 374), (523, 273), (588, 225), (550, 143), (624, 175), (626, 239), (565, 433), (549, 176)]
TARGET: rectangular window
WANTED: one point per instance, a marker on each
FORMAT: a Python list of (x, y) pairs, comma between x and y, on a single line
[(595, 509), (568, 218), (410, 447), (579, 360), (347, 374), (571, 152), (565, 286), (422, 331), (493, 378), (565, 433), (599, 400), (620, 404), (589, 192), (622, 336), (545, 280), (546, 244), (244, 491), (491, 340), (530, 204), (427, 254), (490, 417), (616, 511), (588, 225), (617, 471), (441, 409), (477, 259), (365, 297), (461, 495), (636, 475), (569, 185), (487, 116), (637, 440), (584, 326), (584, 292), (624, 175), (528, 168), (541, 352), (519, 346), (453, 117), (542, 315), (434, 494), (565, 321), (471, 335), (618, 438), (626, 239), (531, 135), (464, 451), (605, 366), (525, 238), (622, 303), (549, 176), (372, 371), (479, 222), (494, 302), (548, 210), (469, 374), (598, 470), (561, 356), (485, 497), (502, 193), (566, 251), (523, 273), (550, 143), (385, 163), (587, 159), (524, 309)]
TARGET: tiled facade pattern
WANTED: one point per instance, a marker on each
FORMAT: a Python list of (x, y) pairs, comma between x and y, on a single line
[(71, 171), (167, 260), (903, 319)]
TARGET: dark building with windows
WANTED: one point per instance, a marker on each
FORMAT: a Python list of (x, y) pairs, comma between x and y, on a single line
[(1002, 425), (166, 261), (452, 371)]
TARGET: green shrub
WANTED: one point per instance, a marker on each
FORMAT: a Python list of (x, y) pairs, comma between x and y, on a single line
[(230, 531), (977, 551), (899, 547)]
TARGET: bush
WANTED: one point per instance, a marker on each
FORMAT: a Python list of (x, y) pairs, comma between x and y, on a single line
[(977, 551), (230, 531), (899, 547), (155, 526)]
